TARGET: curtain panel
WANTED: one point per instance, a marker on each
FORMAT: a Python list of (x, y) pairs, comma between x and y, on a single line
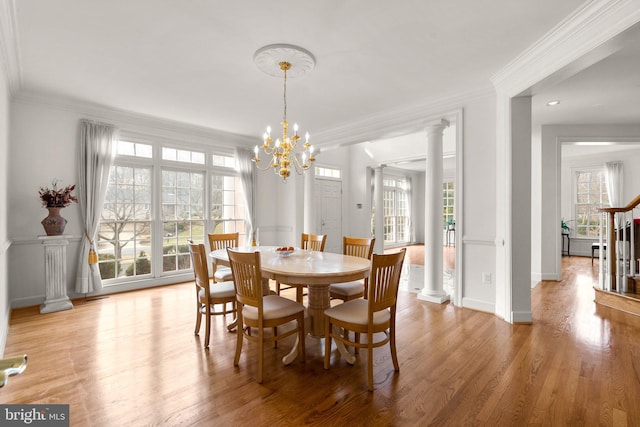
[(247, 171), (96, 157)]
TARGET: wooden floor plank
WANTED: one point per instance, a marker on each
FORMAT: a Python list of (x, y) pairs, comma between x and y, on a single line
[(132, 359)]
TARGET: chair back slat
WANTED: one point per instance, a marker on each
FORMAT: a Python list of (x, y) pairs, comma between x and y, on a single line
[(314, 242), (384, 280), (199, 264), (358, 246), (247, 277), (223, 240)]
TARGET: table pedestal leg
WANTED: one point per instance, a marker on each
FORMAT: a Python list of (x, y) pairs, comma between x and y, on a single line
[(318, 303)]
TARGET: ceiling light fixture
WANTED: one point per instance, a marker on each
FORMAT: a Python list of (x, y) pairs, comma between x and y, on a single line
[(284, 151), (552, 103)]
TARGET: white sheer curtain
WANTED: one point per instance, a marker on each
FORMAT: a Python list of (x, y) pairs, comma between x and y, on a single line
[(614, 179), (96, 155), (247, 172), (410, 231)]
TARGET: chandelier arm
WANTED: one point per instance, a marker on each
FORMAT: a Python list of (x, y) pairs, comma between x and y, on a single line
[(267, 167), (298, 166)]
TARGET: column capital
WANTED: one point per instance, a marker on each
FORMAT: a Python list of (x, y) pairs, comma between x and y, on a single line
[(436, 125)]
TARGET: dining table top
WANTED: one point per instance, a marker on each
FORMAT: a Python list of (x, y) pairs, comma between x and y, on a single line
[(303, 266)]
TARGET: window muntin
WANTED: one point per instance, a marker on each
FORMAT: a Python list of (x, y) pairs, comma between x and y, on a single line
[(223, 161), (185, 156), (448, 217), (124, 234), (134, 149), (227, 205), (324, 172), (395, 202), (590, 195), (182, 216)]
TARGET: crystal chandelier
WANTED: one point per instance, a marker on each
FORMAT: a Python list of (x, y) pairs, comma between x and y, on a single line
[(286, 152)]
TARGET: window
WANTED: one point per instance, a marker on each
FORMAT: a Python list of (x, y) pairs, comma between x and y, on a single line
[(395, 205), (447, 204), (158, 197), (124, 235), (227, 204), (328, 172), (182, 216), (591, 194)]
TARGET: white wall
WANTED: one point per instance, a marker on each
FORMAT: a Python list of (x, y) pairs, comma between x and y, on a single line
[(548, 242), (4, 238), (479, 209), (43, 146)]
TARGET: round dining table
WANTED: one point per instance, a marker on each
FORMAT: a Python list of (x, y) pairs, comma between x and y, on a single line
[(315, 270)]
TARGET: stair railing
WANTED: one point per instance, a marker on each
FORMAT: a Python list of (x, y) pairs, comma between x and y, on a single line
[(620, 262)]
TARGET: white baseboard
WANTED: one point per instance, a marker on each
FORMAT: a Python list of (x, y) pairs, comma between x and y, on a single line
[(479, 305)]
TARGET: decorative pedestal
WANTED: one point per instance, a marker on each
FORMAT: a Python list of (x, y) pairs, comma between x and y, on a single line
[(55, 274)]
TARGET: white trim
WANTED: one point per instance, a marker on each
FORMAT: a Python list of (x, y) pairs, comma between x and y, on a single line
[(9, 53), (476, 304), (478, 241), (130, 122), (581, 32), (403, 121)]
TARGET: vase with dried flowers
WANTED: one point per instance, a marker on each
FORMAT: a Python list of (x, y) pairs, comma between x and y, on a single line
[(55, 199)]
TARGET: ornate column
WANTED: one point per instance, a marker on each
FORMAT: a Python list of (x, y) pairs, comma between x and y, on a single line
[(379, 210), (55, 274), (433, 290)]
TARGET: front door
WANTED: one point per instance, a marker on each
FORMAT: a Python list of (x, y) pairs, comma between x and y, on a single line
[(329, 205)]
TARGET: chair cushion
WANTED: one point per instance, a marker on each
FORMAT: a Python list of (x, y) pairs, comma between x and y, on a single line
[(219, 290), (357, 311), (274, 307), (223, 274), (348, 289)]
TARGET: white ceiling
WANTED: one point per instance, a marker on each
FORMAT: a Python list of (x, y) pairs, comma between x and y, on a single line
[(192, 61)]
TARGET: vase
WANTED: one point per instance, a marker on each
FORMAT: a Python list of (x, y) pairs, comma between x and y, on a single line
[(54, 224)]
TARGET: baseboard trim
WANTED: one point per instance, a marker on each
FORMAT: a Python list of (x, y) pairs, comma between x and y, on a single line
[(478, 305)]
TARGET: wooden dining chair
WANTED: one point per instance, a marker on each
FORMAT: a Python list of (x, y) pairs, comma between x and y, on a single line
[(222, 241), (313, 242), (259, 311), (374, 315), (209, 294), (354, 246)]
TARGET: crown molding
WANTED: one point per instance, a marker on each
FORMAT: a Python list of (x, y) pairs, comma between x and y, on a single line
[(131, 121), (9, 55), (398, 122), (579, 33)]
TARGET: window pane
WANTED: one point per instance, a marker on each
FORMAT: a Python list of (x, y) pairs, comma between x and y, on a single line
[(124, 238), (590, 196), (182, 196)]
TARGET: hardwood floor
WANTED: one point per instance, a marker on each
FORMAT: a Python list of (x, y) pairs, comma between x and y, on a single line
[(132, 359)]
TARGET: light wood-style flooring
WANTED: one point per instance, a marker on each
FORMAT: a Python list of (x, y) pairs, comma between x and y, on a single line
[(132, 360)]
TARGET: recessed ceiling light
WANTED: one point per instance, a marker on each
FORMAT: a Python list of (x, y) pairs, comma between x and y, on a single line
[(552, 103)]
